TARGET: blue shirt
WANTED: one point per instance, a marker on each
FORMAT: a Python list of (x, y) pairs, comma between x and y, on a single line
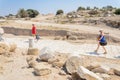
[(102, 39)]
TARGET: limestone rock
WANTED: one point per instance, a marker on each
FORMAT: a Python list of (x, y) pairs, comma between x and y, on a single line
[(58, 64), (104, 76), (62, 72), (72, 64), (39, 71), (75, 76), (32, 64), (33, 51), (52, 60), (115, 68), (103, 69), (31, 61), (93, 66), (86, 74), (46, 54)]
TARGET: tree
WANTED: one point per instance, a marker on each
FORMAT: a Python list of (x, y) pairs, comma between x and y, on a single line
[(22, 13), (95, 8), (10, 15), (109, 7), (32, 13), (80, 8), (117, 11), (88, 8), (59, 12)]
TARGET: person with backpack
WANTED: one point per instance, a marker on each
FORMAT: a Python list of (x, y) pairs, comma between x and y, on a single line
[(101, 41)]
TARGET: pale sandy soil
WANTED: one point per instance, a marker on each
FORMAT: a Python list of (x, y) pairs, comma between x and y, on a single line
[(15, 66), (73, 27)]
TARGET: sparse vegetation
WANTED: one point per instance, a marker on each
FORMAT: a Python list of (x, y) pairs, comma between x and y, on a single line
[(22, 13), (32, 13), (117, 11), (59, 12), (80, 8), (109, 8), (88, 8)]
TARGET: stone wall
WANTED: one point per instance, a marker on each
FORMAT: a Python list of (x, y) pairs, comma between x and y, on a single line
[(62, 33), (27, 32)]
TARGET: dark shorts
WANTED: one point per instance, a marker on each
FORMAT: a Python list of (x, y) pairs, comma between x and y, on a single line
[(103, 43), (37, 37)]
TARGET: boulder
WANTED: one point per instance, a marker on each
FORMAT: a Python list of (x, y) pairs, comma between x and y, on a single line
[(31, 61), (75, 76), (115, 68), (58, 64), (86, 74), (72, 64), (32, 64), (52, 60), (46, 54), (59, 60), (104, 76), (103, 69), (62, 72), (39, 71), (93, 66), (4, 48), (33, 51)]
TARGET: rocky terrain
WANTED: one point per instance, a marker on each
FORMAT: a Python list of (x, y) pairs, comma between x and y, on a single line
[(65, 50), (56, 60)]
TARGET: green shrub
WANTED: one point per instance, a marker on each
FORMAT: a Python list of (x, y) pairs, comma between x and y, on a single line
[(59, 12), (80, 8), (117, 11), (32, 13)]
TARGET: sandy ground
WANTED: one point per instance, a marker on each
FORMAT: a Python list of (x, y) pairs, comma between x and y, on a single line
[(15, 67), (66, 47), (74, 27), (91, 29)]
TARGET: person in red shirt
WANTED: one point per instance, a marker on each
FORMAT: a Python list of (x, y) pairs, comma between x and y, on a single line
[(33, 30)]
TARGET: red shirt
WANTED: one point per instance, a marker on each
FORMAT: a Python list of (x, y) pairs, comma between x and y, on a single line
[(33, 30)]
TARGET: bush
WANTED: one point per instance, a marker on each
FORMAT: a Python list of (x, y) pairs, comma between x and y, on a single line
[(27, 13), (117, 11), (59, 12), (22, 13), (109, 8), (32, 13), (80, 8)]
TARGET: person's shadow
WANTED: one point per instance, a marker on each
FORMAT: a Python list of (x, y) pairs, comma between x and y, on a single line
[(118, 57), (92, 53)]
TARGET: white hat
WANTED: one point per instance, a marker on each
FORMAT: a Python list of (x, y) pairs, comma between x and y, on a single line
[(101, 30)]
